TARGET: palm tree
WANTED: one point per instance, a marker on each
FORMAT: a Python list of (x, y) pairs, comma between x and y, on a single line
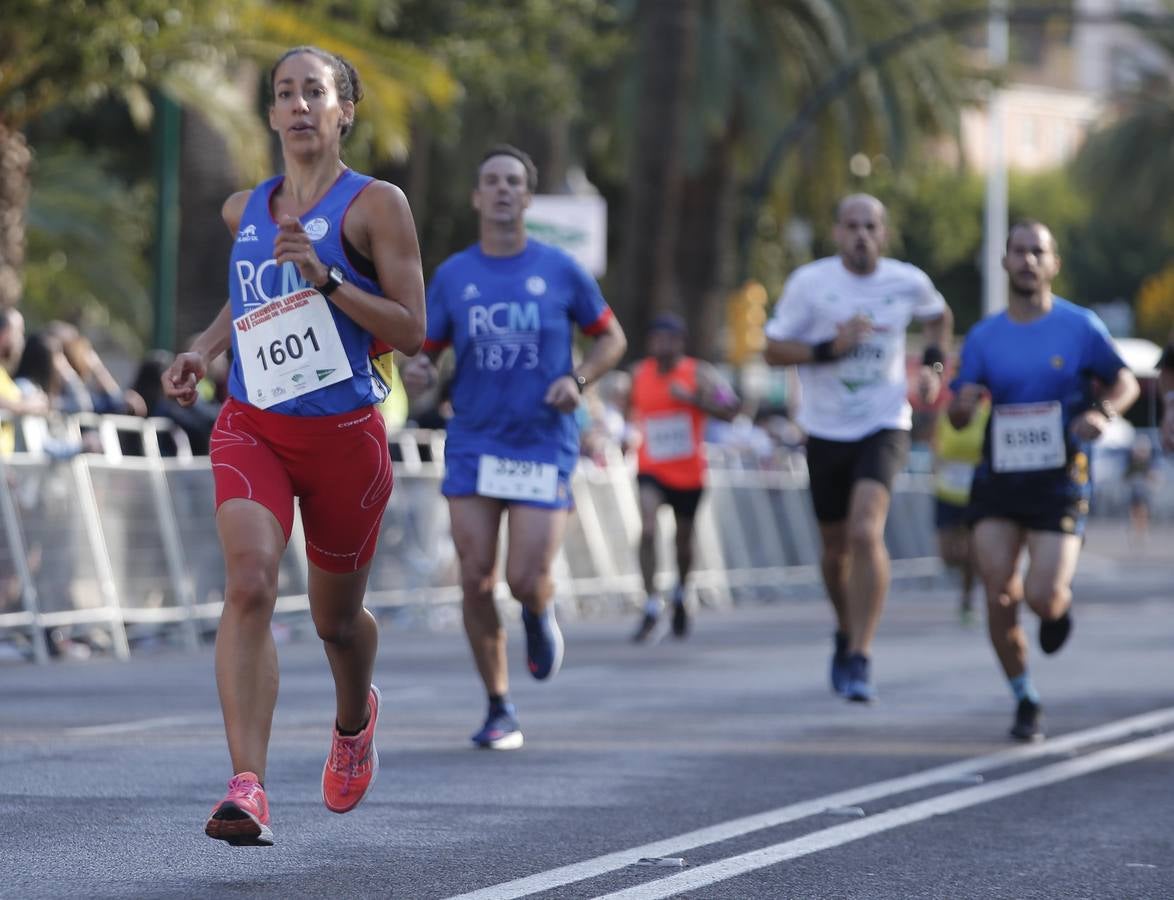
[(1127, 163), (665, 47), (753, 65), (192, 51)]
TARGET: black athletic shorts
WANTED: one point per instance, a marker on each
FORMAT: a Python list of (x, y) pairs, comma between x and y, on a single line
[(835, 466), (683, 502), (950, 515), (1049, 504)]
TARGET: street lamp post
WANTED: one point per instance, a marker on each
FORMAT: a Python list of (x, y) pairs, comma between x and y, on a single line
[(994, 293)]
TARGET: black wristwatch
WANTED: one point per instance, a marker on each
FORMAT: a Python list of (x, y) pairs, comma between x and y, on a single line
[(580, 381), (334, 277)]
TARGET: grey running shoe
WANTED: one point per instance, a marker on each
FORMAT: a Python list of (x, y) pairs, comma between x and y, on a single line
[(647, 627), (858, 686)]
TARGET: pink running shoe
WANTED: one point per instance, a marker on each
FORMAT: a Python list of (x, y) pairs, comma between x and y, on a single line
[(353, 763), (242, 817)]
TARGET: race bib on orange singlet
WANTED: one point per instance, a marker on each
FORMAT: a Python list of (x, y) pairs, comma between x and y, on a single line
[(516, 479), (1027, 437), (669, 437), (289, 347)]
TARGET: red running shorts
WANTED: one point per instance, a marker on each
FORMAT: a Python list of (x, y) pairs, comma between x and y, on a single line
[(337, 466)]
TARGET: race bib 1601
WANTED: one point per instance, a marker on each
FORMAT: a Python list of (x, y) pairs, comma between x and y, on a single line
[(289, 347)]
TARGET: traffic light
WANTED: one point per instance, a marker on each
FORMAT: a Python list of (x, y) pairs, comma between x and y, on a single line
[(745, 319)]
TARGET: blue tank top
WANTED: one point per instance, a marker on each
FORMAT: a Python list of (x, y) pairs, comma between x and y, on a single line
[(254, 279), (510, 320)]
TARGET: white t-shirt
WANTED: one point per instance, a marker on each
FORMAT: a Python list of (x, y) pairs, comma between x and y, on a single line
[(865, 390)]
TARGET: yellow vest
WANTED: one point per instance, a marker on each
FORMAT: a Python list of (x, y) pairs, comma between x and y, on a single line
[(956, 453), (8, 391)]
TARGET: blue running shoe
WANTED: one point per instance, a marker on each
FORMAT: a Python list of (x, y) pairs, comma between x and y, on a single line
[(544, 643), (858, 687), (680, 619), (500, 731), (840, 664)]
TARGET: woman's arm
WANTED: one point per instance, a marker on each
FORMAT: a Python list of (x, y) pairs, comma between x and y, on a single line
[(386, 232)]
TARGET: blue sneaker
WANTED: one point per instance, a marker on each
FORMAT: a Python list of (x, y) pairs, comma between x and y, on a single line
[(858, 687), (840, 664), (544, 644), (500, 731)]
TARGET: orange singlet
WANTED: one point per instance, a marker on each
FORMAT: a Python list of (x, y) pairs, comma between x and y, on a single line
[(671, 451)]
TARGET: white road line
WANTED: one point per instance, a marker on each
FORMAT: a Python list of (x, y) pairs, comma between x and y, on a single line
[(591, 868), (894, 818), (137, 725)]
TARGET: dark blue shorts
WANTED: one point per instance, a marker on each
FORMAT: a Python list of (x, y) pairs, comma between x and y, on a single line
[(460, 480), (950, 515), (1052, 502)]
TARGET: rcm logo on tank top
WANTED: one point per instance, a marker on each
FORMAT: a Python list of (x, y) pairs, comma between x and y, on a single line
[(253, 278)]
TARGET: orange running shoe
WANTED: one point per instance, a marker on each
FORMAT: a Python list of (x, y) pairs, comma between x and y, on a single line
[(242, 817), (353, 763)]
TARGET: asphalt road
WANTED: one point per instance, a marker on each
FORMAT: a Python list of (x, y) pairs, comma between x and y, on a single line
[(726, 751)]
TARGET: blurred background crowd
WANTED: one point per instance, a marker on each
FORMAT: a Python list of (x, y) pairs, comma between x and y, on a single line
[(697, 149)]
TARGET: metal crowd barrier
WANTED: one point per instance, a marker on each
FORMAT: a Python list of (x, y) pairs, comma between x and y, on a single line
[(127, 543)]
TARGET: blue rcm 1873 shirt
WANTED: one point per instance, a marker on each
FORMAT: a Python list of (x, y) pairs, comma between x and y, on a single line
[(255, 278), (510, 322)]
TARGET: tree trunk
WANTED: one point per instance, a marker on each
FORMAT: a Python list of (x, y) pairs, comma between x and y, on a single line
[(207, 180), (419, 171), (15, 161), (647, 279), (704, 262)]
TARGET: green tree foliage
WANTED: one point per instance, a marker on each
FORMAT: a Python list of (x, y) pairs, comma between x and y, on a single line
[(191, 49), (937, 217), (532, 72), (753, 70), (199, 52), (88, 235), (1128, 161)]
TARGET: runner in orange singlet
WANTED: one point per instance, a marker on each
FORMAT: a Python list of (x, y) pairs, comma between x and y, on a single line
[(672, 394)]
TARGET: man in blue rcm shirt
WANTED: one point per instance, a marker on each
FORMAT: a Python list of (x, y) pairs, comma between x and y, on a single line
[(1055, 380), (508, 305)]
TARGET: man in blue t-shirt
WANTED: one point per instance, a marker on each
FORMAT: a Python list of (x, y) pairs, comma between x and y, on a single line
[(1055, 380), (508, 306)]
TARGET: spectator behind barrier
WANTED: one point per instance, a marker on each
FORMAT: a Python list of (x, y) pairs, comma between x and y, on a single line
[(88, 384), (195, 420), (12, 399), (39, 377), (614, 389)]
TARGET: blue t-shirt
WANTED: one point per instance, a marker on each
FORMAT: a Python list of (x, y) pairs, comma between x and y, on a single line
[(254, 279), (1052, 358), (510, 322)]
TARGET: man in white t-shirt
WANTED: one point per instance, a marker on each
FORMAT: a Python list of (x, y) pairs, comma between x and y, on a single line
[(842, 321)]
